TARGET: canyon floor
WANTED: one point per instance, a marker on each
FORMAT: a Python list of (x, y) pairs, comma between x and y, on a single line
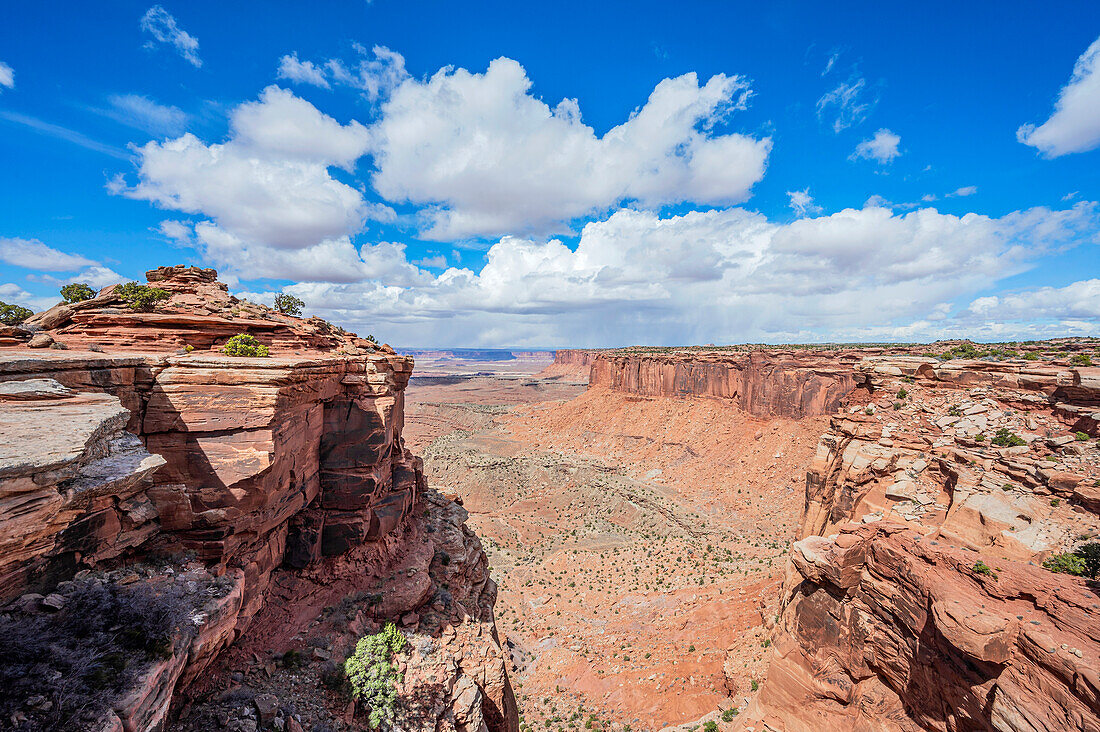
[(619, 529)]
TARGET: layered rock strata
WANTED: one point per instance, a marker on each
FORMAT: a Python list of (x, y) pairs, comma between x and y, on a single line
[(916, 599), (153, 442), (763, 383)]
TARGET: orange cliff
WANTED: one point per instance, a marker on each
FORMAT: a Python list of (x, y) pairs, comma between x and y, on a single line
[(289, 466), (765, 383), (916, 599)]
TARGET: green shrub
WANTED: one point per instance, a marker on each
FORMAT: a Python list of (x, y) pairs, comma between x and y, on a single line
[(981, 567), (1090, 555), (1081, 436), (1031, 356), (288, 304), (1055, 502), (373, 676), (729, 714), (243, 344), (13, 314), (902, 393), (141, 297), (1081, 359), (77, 292), (1004, 438), (371, 339), (979, 437), (710, 726), (1065, 563), (755, 685)]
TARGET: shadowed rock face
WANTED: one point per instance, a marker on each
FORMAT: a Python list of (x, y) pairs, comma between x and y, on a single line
[(762, 383)]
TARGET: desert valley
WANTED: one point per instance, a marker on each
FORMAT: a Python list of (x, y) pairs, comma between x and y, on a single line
[(841, 537)]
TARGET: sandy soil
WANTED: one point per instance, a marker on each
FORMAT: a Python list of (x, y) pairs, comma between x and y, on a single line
[(639, 543)]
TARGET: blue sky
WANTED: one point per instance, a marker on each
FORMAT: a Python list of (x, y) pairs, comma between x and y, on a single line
[(718, 172)]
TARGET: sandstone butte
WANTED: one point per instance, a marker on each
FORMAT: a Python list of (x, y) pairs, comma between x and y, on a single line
[(282, 482), (916, 598)]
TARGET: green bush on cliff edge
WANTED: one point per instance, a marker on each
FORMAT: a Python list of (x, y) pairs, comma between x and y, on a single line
[(373, 675), (243, 344)]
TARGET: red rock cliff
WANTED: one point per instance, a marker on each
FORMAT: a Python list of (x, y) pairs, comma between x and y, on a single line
[(262, 467), (916, 599), (763, 383)]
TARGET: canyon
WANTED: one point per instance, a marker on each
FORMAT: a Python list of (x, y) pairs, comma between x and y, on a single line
[(728, 538)]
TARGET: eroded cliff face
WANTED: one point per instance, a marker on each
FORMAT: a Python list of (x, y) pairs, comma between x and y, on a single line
[(572, 364), (917, 599), (762, 383), (259, 469)]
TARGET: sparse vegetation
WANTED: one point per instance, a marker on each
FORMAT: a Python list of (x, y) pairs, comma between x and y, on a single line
[(1005, 438), (1081, 436), (13, 314), (1084, 561), (245, 345), (77, 292), (142, 298), (1081, 359), (982, 568), (902, 393), (373, 675), (288, 304), (79, 659)]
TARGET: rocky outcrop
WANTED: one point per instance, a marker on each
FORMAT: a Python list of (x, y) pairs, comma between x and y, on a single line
[(884, 629), (258, 467), (74, 484), (916, 599), (199, 313), (763, 383)]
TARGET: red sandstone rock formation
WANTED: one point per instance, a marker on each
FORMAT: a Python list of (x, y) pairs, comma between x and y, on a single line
[(259, 465), (931, 611), (199, 313), (764, 383)]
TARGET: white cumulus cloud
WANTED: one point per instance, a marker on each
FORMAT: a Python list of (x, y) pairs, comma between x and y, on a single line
[(802, 203), (727, 275), (1075, 124), (492, 158), (33, 254), (302, 72), (883, 147), (269, 184)]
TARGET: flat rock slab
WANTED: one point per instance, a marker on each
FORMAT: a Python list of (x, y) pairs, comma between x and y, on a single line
[(36, 436)]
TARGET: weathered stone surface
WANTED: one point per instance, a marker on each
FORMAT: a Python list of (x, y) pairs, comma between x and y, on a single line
[(288, 461), (763, 383), (916, 599), (72, 482)]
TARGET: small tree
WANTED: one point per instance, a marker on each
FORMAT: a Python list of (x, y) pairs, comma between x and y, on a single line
[(372, 674), (1090, 556), (77, 292), (288, 304), (141, 297), (13, 314), (243, 344), (1005, 438), (372, 339)]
